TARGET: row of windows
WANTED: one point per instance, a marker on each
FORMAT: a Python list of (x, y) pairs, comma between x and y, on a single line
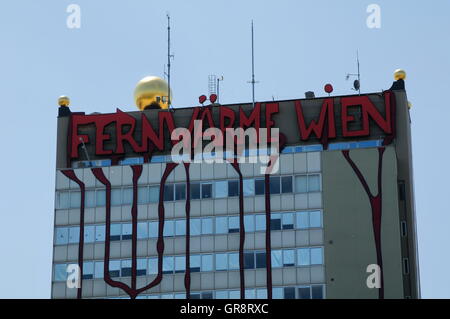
[(198, 226), (300, 292), (199, 263), (199, 190)]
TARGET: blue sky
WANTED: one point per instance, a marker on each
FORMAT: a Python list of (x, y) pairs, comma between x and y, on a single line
[(300, 46)]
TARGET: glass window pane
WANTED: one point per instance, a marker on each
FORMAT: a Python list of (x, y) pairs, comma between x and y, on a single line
[(98, 271), (303, 257), (100, 198), (207, 262), (180, 227), (100, 232), (153, 266), (249, 260), (195, 263), (233, 224), (89, 234), (315, 219), (63, 200), (250, 294), (143, 195), (259, 187), (168, 264), (116, 230), (116, 197), (207, 295), (74, 235), (260, 222), (317, 292), (127, 196), (260, 260), (274, 185), (313, 183), (126, 231), (168, 192), (221, 189), (277, 293), (221, 261), (141, 267), (276, 258), (180, 264), (180, 191), (207, 226), (286, 184), (221, 225), (88, 270), (300, 184), (153, 229), (249, 223), (235, 294), (302, 220), (114, 268), (195, 226), (316, 256), (288, 220), (304, 293), (62, 236), (288, 258), (233, 261), (142, 230), (206, 190), (233, 188), (154, 194), (75, 198), (222, 294), (90, 199), (275, 222), (249, 187), (126, 268), (168, 228), (289, 293), (195, 191), (261, 293), (60, 273)]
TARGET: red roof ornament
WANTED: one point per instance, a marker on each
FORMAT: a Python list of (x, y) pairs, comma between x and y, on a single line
[(213, 98), (328, 88), (202, 99)]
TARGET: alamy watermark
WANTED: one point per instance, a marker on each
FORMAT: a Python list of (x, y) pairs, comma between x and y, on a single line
[(374, 19), (73, 20), (374, 279)]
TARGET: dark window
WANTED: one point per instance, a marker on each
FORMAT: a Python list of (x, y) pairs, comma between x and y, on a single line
[(114, 237), (260, 260), (195, 296), (304, 293), (275, 185), (289, 293), (114, 273), (286, 184), (233, 188), (168, 192), (206, 190), (180, 191), (126, 272), (317, 292), (259, 187), (249, 261), (195, 191), (87, 276), (275, 222), (127, 237), (141, 272), (195, 269), (207, 295)]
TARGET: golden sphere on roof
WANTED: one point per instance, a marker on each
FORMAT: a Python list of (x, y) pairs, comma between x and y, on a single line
[(399, 74), (152, 93), (63, 100)]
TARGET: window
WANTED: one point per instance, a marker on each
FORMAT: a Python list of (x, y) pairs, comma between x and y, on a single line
[(315, 219), (90, 199), (286, 184), (63, 200), (233, 224), (89, 234), (316, 256), (314, 183), (62, 236), (114, 268), (195, 263), (195, 296), (222, 294), (141, 269), (317, 292), (168, 228), (100, 232), (289, 293), (303, 257), (180, 264), (207, 262), (154, 194), (153, 266), (116, 230), (126, 231), (235, 294), (275, 222), (143, 195), (195, 226), (207, 226), (60, 273), (250, 294), (75, 199), (168, 265), (100, 198), (116, 197), (288, 258), (233, 188), (127, 196), (168, 192), (260, 259), (126, 268), (249, 187), (207, 190), (221, 225), (302, 220), (287, 220), (98, 269), (195, 191), (261, 293), (277, 293), (74, 235), (221, 261), (259, 187), (153, 229), (301, 184), (221, 189), (207, 295), (274, 185), (249, 223), (304, 293), (180, 191), (233, 261), (260, 222), (142, 230), (180, 227), (276, 257), (249, 260)]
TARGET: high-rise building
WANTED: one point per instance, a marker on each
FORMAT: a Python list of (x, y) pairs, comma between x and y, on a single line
[(335, 220)]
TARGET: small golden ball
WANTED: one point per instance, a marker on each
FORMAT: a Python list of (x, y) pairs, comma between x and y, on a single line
[(152, 92), (63, 100), (399, 74)]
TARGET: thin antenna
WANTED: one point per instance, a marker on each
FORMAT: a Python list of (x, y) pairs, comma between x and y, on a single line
[(169, 56), (253, 70), (83, 146), (356, 83)]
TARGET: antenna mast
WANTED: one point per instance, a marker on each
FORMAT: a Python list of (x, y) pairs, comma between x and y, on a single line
[(357, 83), (253, 71), (169, 56)]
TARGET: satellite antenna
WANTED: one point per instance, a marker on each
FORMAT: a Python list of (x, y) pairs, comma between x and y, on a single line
[(169, 56), (357, 82), (253, 71)]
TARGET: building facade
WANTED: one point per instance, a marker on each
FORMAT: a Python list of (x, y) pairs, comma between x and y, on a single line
[(336, 220)]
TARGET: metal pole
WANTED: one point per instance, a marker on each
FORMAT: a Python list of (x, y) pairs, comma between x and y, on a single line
[(253, 71), (168, 60)]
